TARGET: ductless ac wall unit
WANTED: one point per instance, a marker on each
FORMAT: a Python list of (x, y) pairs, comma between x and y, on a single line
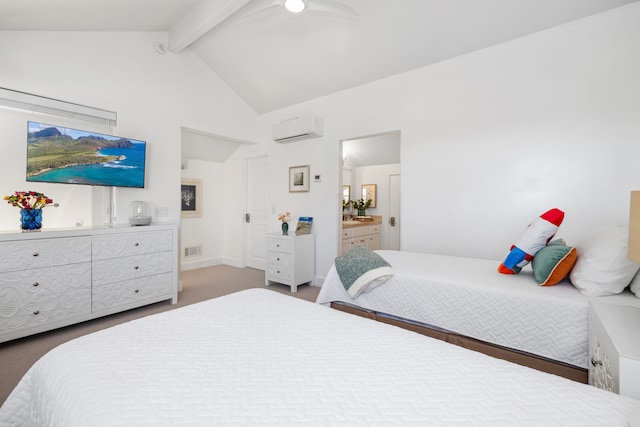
[(297, 128)]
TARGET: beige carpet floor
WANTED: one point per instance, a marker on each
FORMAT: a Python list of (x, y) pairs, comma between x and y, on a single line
[(17, 356)]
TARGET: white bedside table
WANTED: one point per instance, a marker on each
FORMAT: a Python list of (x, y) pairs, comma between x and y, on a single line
[(614, 348), (290, 259)]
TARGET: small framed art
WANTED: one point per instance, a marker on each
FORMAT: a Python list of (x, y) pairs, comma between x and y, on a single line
[(299, 179), (369, 192), (191, 198)]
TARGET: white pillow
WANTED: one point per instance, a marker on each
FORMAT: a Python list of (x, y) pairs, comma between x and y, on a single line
[(603, 267), (634, 287)]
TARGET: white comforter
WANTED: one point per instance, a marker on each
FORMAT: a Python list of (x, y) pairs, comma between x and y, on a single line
[(468, 296), (261, 358)]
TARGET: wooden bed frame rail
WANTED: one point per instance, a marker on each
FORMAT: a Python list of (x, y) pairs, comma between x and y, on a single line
[(532, 361)]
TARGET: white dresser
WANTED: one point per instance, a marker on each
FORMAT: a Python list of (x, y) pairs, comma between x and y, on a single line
[(614, 348), (290, 260), (55, 278)]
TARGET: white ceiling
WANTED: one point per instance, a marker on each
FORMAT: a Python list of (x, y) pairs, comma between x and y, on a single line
[(274, 59)]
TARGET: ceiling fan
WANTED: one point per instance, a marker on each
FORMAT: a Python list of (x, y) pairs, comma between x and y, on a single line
[(325, 7)]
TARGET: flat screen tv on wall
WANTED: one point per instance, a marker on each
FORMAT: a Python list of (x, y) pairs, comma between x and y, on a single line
[(70, 156)]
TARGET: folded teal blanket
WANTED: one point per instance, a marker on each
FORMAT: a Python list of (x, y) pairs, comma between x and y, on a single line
[(360, 270)]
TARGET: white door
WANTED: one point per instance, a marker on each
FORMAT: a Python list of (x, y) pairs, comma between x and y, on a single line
[(394, 212), (256, 212)]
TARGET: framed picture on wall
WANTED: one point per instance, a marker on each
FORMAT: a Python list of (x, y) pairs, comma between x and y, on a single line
[(191, 198), (369, 192), (298, 179)]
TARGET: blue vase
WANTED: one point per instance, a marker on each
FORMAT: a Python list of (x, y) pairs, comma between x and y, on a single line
[(31, 219), (285, 228)]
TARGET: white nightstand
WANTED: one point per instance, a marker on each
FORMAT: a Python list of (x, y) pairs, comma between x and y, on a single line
[(290, 260), (614, 348)]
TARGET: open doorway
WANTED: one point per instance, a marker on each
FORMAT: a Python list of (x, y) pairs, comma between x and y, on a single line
[(372, 164), (201, 234)]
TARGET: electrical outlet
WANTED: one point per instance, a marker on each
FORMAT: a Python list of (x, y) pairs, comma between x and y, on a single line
[(164, 211)]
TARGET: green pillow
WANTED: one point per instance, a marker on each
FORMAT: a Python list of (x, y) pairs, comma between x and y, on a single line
[(553, 262)]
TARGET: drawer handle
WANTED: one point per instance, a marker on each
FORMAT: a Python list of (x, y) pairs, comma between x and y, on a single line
[(35, 313), (277, 246), (596, 362), (137, 244), (36, 254), (136, 267), (277, 259), (36, 284), (278, 271), (136, 291)]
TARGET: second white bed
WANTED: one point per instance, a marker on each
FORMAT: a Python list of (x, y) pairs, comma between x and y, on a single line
[(469, 297)]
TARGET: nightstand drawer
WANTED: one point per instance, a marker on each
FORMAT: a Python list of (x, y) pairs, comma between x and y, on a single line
[(278, 272), (279, 258), (279, 245)]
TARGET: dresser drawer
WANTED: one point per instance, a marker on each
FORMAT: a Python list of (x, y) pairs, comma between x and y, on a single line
[(126, 244), (119, 269), (21, 255), (44, 295), (108, 295), (279, 245)]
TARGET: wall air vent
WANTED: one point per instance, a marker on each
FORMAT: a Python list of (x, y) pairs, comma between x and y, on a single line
[(193, 250), (297, 128)]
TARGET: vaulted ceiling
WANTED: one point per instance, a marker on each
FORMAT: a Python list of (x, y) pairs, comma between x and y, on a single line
[(273, 58)]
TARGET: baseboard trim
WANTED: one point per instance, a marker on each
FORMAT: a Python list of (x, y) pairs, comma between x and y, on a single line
[(202, 263)]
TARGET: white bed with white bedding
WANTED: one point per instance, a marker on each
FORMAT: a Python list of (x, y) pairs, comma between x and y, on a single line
[(469, 297), (241, 360)]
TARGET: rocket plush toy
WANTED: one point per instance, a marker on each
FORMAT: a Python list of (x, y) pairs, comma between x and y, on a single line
[(535, 237)]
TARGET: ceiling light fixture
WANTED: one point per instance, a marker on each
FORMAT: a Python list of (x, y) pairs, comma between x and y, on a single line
[(294, 6)]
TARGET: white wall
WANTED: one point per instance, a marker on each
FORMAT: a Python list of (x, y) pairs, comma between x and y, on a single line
[(205, 231), (154, 96), (490, 140)]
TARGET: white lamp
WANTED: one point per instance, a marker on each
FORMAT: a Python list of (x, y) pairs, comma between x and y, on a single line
[(294, 6)]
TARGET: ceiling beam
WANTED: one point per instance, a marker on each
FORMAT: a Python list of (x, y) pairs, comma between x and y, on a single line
[(204, 17)]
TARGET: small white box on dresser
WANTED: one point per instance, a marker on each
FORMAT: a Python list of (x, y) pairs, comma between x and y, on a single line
[(614, 348), (290, 260)]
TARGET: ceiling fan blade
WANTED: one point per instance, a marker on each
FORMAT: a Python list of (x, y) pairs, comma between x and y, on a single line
[(323, 7), (257, 7), (332, 7)]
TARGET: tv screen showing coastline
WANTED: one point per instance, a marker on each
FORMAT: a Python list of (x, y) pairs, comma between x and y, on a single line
[(63, 155)]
